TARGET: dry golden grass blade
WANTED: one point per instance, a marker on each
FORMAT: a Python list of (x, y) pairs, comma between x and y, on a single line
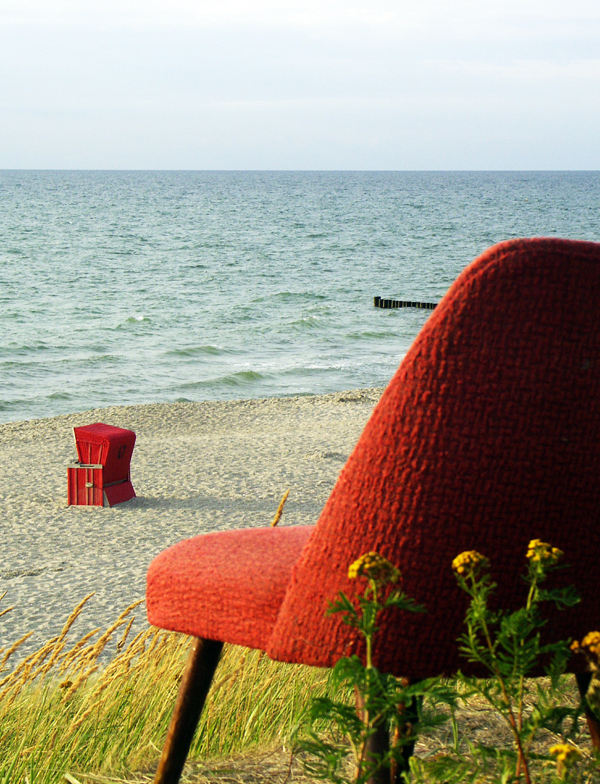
[(79, 681), (77, 722), (120, 664), (13, 648), (71, 656), (155, 637), (279, 511), (74, 615), (139, 779), (105, 637), (45, 666), (160, 642), (59, 647), (27, 663), (15, 680), (123, 639), (232, 674)]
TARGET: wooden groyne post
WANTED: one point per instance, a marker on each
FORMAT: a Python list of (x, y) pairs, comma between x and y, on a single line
[(388, 304)]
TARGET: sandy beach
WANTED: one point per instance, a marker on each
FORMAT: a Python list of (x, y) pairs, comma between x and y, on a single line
[(196, 467)]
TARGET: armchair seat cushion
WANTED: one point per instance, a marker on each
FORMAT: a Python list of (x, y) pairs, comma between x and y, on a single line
[(227, 585)]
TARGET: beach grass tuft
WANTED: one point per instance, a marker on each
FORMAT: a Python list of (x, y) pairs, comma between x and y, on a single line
[(69, 710)]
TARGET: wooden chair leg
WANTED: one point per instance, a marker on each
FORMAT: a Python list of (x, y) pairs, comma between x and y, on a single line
[(379, 743), (377, 746), (201, 665), (583, 683), (411, 717)]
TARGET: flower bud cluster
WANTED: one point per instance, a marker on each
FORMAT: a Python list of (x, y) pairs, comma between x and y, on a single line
[(565, 755), (590, 648), (543, 552), (375, 567), (470, 563)]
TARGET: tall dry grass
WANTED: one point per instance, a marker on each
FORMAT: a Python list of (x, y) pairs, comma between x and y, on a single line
[(64, 711)]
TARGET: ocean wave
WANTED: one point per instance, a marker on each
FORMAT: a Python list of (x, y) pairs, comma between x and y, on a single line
[(13, 405), (371, 335), (108, 359), (134, 320), (243, 378), (16, 349), (290, 297), (59, 396), (198, 351), (306, 371), (308, 322)]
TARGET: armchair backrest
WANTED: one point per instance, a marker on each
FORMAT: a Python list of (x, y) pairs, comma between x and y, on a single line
[(487, 436)]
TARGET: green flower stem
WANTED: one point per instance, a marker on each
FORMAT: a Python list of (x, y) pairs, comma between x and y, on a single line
[(510, 716), (370, 631), (531, 597)]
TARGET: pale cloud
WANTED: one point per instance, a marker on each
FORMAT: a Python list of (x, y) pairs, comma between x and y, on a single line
[(468, 16), (197, 12), (588, 70), (325, 83)]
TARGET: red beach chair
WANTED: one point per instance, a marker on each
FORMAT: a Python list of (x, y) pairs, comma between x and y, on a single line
[(487, 436), (101, 476)]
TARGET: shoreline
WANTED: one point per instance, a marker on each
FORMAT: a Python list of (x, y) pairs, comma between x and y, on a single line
[(196, 467)]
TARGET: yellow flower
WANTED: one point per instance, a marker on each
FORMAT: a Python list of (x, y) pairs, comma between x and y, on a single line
[(591, 641), (566, 755), (544, 552), (470, 563), (375, 567), (590, 648)]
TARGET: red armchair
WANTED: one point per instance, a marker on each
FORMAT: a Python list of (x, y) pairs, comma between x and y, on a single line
[(487, 436)]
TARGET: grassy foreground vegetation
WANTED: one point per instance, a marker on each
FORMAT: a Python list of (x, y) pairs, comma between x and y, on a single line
[(378, 734), (67, 708), (97, 709)]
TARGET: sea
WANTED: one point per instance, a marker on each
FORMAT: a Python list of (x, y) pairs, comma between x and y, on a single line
[(126, 287)]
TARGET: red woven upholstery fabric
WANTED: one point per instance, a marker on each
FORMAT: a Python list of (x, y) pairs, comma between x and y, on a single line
[(225, 586), (487, 436)]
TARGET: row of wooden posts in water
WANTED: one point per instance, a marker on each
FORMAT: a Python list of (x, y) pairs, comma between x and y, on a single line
[(388, 304)]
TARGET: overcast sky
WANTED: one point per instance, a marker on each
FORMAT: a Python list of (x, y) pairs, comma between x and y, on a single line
[(300, 84)]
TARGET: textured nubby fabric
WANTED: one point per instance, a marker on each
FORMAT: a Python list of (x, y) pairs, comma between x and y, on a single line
[(487, 436), (225, 586)]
